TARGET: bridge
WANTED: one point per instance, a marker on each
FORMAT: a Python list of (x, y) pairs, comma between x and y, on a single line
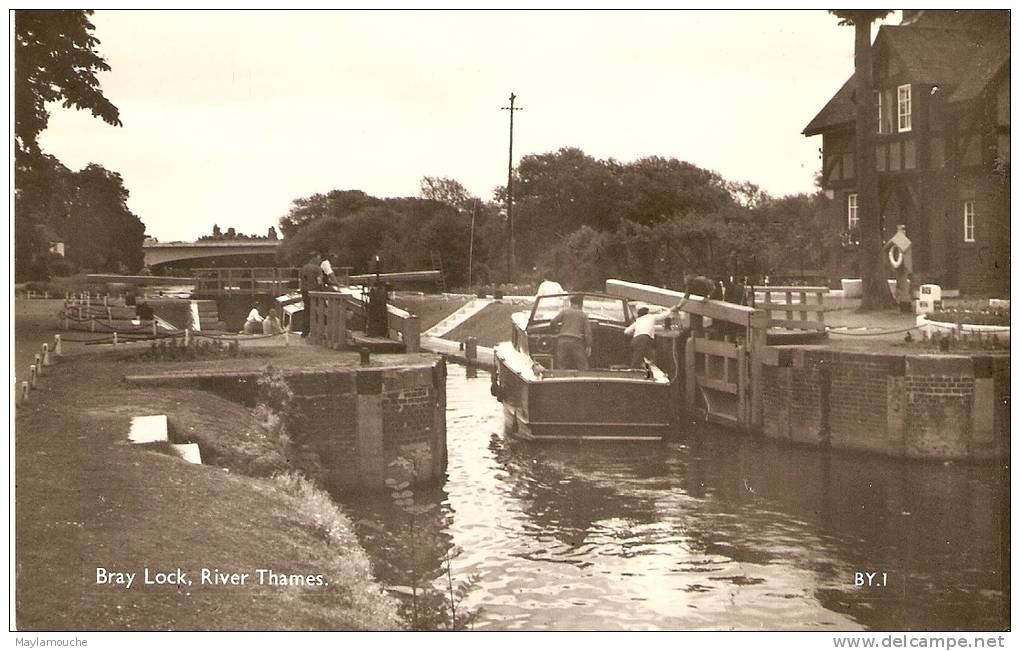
[(161, 253)]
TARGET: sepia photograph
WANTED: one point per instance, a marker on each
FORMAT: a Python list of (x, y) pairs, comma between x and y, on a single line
[(510, 320)]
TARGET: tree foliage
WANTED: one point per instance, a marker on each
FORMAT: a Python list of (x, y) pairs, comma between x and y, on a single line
[(579, 220), (55, 60)]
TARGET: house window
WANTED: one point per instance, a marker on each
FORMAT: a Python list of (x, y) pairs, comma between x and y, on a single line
[(880, 112), (968, 221), (852, 222), (903, 107)]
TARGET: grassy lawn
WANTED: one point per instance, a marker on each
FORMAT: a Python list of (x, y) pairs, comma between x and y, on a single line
[(489, 327), (429, 308), (85, 499)]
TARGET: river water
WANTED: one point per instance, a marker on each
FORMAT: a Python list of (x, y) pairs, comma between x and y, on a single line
[(711, 530)]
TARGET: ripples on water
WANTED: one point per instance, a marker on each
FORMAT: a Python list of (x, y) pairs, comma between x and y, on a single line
[(710, 531)]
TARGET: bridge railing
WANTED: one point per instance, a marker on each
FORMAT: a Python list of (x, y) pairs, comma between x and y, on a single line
[(724, 362), (790, 307), (334, 315), (246, 280)]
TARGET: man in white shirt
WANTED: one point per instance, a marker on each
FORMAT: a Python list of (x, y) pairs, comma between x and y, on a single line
[(643, 331), (252, 323), (328, 278), (548, 288)]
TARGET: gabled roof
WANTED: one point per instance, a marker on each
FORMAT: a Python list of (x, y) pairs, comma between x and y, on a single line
[(989, 61), (963, 61), (839, 110), (931, 55)]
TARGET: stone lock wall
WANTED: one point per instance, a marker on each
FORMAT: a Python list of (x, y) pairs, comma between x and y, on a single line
[(915, 406), (352, 423)]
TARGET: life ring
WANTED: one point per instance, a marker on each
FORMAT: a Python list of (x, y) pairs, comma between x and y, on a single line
[(895, 257)]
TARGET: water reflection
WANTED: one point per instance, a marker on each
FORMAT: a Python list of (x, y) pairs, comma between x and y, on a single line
[(712, 531)]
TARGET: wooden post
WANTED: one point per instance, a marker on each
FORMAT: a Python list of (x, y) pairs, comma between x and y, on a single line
[(106, 300), (24, 392), (759, 342), (33, 375), (38, 364), (412, 335), (65, 319), (115, 339), (187, 337), (742, 406), (109, 315), (56, 347), (286, 336), (155, 328), (690, 365), (46, 354), (341, 323), (92, 322), (46, 295)]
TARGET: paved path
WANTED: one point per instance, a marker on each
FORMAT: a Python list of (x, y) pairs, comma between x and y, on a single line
[(462, 314)]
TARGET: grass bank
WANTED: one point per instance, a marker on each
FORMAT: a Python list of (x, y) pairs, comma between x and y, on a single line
[(85, 499)]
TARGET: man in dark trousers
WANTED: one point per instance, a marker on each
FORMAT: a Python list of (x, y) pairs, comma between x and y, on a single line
[(573, 345), (311, 275)]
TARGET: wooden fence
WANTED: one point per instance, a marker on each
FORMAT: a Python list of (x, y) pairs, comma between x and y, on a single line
[(790, 307), (272, 281)]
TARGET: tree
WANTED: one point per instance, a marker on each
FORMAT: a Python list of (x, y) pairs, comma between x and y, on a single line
[(876, 290), (55, 59), (445, 190), (101, 233)]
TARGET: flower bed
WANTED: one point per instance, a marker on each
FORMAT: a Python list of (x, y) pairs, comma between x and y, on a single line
[(980, 324)]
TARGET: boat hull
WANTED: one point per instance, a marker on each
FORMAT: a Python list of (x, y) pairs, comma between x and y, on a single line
[(584, 408)]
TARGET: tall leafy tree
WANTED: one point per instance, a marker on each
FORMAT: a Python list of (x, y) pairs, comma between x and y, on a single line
[(55, 59), (102, 233), (876, 290)]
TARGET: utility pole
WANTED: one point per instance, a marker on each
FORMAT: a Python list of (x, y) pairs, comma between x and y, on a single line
[(511, 253)]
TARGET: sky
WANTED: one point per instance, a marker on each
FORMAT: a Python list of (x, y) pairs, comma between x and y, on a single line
[(228, 116)]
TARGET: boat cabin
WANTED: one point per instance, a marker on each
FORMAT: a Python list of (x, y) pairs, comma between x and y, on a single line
[(534, 335)]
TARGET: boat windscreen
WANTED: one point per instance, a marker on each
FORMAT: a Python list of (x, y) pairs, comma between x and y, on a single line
[(603, 308)]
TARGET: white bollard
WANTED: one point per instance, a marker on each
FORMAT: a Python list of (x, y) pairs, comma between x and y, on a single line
[(106, 299), (38, 364), (46, 295), (33, 376), (56, 347), (155, 331), (115, 339), (24, 392), (187, 337), (46, 355)]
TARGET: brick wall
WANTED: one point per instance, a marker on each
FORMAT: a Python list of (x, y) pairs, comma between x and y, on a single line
[(918, 406), (351, 423)]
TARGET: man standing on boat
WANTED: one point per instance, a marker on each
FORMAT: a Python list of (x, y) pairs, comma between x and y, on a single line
[(643, 332), (573, 344)]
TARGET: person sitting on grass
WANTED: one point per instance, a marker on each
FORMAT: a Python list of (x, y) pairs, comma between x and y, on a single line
[(251, 325), (271, 324)]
